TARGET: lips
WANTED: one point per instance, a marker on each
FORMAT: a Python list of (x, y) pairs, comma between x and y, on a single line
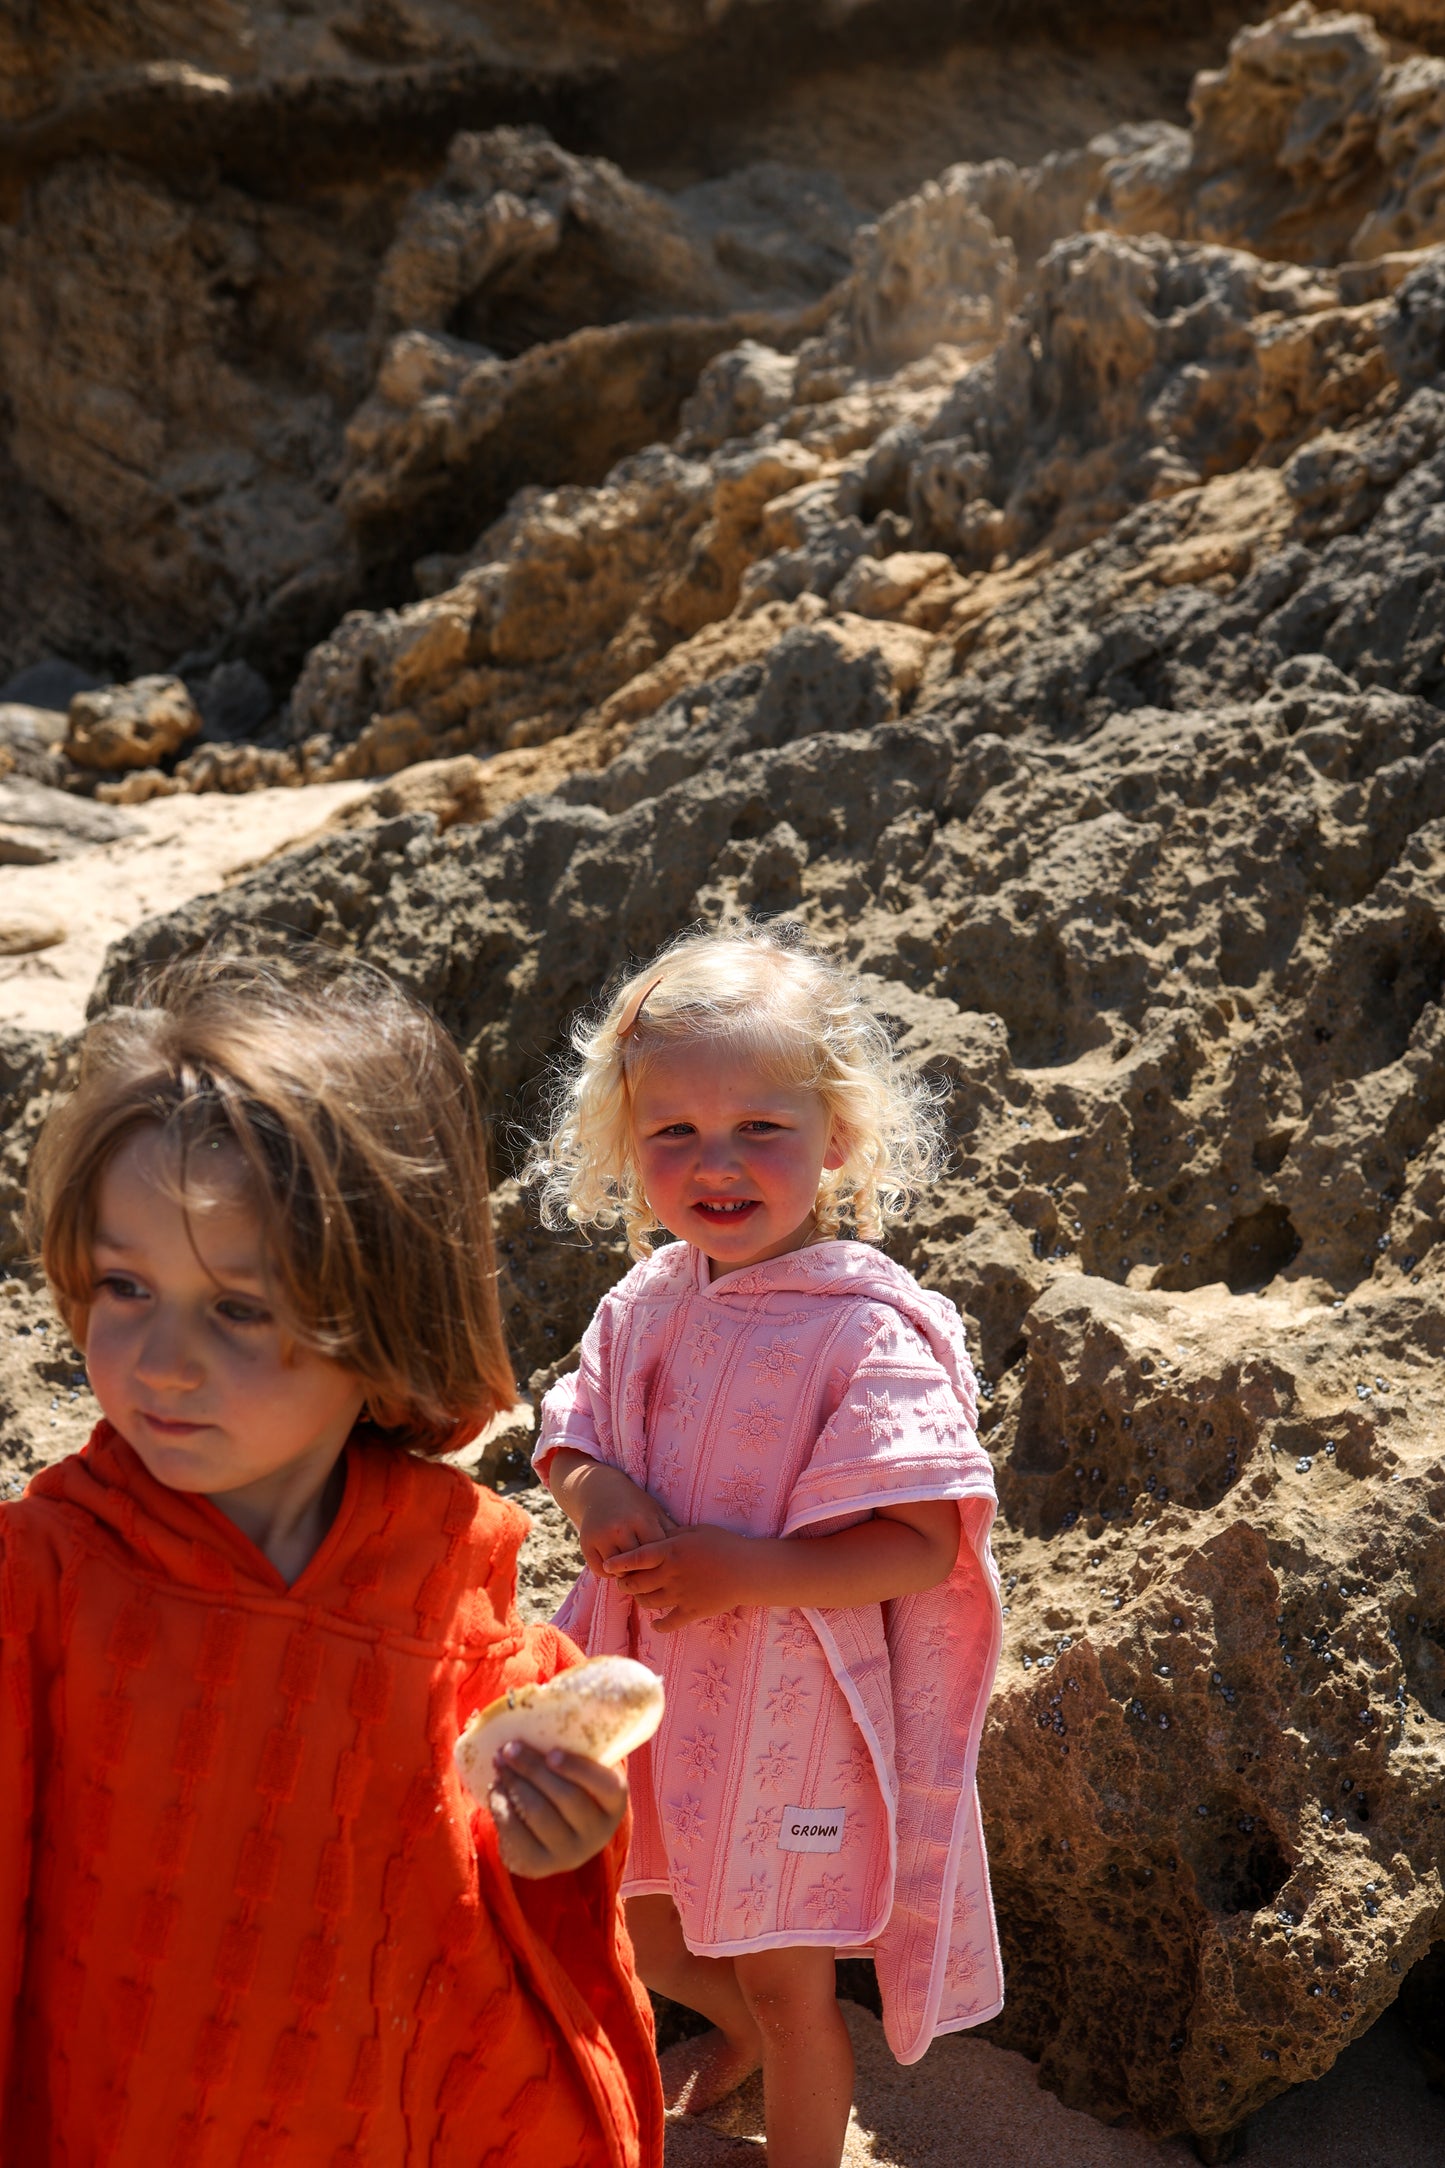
[(726, 1211), (170, 1426)]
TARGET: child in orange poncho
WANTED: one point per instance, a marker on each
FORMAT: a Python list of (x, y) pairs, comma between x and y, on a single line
[(248, 1919)]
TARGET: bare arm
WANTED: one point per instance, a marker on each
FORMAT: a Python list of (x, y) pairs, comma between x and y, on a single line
[(697, 1572), (609, 1511)]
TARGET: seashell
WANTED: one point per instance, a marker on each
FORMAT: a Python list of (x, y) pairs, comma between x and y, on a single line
[(602, 1708)]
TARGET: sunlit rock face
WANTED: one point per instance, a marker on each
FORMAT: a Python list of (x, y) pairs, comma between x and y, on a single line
[(1047, 612)]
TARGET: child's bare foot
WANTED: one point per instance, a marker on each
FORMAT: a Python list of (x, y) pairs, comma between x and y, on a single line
[(698, 2073)]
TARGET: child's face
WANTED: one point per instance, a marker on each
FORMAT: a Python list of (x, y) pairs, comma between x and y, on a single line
[(185, 1354), (729, 1158)]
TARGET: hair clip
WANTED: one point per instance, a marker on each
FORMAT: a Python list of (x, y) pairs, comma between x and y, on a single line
[(631, 1016)]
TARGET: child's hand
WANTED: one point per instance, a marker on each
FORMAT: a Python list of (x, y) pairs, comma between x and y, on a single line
[(691, 1574), (609, 1511), (554, 1811)]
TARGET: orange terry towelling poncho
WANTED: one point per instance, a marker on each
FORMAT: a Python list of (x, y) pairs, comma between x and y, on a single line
[(247, 1917)]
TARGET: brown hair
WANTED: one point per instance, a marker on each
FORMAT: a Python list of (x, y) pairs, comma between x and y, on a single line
[(364, 1155)]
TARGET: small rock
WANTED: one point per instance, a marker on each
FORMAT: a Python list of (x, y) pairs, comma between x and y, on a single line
[(505, 1445), (879, 586), (237, 768), (234, 702), (39, 824), (139, 787), (22, 719), (51, 684), (21, 936), (131, 726)]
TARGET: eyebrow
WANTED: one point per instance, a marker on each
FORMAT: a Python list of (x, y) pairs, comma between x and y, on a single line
[(227, 1274), (761, 1111)]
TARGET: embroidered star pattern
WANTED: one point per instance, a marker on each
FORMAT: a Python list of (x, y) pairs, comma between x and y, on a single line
[(684, 1884), (775, 1765), (743, 1491), (855, 1767), (699, 1753), (787, 1700), (876, 1416), (760, 1834), (963, 1966), (794, 1632), (685, 1402), (923, 1701), (752, 1901), (670, 1467), (757, 1425), (828, 1899), (775, 1358), (686, 1818), (725, 1628), (706, 1341), (711, 1687), (634, 1398)]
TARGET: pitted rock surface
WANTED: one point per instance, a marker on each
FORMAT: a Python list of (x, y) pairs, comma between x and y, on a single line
[(1052, 621)]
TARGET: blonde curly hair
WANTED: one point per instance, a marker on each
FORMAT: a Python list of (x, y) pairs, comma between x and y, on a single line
[(766, 993)]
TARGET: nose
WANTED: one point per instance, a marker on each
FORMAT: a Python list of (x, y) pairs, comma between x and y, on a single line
[(717, 1159), (166, 1358)]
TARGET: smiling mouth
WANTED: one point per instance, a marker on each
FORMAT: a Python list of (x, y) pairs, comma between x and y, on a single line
[(731, 1208)]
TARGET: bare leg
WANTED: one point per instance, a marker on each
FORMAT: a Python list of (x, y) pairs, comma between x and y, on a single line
[(807, 2055), (696, 2074)]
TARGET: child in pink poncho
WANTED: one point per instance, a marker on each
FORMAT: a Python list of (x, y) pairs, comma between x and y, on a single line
[(769, 1453)]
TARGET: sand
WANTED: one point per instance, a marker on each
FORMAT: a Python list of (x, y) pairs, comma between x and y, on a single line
[(971, 2105), (184, 847)]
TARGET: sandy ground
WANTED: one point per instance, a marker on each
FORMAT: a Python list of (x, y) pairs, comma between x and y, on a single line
[(184, 847), (971, 2105)]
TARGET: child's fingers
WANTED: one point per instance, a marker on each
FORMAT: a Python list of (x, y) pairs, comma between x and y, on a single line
[(536, 1818), (639, 1581), (643, 1557), (607, 1788), (551, 1790), (521, 1853)]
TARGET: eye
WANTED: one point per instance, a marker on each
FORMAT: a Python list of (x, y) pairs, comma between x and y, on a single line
[(120, 1286), (236, 1310), (675, 1129), (760, 1126)]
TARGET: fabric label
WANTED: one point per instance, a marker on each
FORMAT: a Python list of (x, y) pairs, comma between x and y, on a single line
[(811, 1829)]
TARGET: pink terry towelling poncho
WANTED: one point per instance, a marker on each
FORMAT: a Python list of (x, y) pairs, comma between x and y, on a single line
[(813, 1779)]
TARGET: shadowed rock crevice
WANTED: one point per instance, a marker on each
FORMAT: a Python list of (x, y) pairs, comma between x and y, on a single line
[(1246, 1257)]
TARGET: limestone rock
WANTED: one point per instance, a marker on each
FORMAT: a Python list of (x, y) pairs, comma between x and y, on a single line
[(30, 739), (39, 824), (1215, 1729), (1050, 617), (1151, 890), (1310, 143), (130, 726), (23, 936), (933, 269)]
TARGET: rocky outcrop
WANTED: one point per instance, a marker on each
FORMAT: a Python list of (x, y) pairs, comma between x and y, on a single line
[(189, 411), (1053, 623), (1142, 864), (289, 300)]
